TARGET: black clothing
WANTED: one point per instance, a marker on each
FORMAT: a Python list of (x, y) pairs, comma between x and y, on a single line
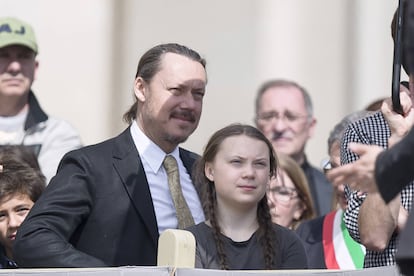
[(290, 253)]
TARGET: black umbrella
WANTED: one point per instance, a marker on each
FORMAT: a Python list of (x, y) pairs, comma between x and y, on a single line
[(396, 68)]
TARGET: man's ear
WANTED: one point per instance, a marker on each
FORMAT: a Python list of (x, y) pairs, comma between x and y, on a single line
[(312, 126), (140, 89), (209, 172), (36, 67)]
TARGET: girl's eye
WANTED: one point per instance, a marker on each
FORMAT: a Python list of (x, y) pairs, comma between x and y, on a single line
[(260, 164)]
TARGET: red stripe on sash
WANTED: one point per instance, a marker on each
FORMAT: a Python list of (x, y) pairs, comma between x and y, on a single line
[(328, 246)]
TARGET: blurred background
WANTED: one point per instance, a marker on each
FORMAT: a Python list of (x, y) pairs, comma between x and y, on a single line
[(339, 50)]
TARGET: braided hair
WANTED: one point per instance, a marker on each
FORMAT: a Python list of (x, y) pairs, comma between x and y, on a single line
[(265, 234)]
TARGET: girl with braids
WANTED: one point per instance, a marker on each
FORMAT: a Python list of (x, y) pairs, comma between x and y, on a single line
[(234, 172)]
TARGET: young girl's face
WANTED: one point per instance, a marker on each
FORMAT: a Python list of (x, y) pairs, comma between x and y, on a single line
[(240, 171), (13, 211)]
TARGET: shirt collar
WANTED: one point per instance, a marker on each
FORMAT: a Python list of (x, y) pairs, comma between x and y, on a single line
[(148, 150)]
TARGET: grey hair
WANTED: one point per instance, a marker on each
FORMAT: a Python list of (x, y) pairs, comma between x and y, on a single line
[(284, 83), (339, 129)]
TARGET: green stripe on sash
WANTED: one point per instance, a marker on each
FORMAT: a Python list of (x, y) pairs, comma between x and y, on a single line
[(356, 252)]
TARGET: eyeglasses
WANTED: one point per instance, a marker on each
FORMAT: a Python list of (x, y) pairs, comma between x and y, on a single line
[(328, 165), (283, 194), (289, 117)]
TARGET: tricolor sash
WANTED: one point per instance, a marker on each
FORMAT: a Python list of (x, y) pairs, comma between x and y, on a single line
[(341, 251)]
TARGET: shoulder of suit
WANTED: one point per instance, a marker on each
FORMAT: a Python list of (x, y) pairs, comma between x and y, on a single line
[(190, 154)]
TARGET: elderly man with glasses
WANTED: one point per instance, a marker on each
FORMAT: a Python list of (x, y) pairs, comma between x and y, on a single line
[(284, 113)]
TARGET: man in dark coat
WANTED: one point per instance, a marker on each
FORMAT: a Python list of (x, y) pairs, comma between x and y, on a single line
[(109, 202)]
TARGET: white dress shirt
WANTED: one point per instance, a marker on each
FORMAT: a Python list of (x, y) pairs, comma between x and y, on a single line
[(152, 157)]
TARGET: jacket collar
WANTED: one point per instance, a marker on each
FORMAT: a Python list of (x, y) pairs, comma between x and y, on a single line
[(129, 167), (36, 113)]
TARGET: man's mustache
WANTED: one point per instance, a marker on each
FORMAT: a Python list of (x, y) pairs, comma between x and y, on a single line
[(187, 115), (277, 135)]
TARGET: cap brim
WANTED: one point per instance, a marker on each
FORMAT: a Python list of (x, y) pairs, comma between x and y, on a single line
[(27, 44)]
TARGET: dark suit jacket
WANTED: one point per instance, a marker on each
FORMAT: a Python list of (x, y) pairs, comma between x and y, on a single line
[(97, 211), (405, 253), (394, 169), (311, 233), (320, 188)]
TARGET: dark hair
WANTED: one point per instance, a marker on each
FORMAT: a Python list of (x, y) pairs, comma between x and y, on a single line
[(150, 64), (284, 83), (265, 234), (20, 173)]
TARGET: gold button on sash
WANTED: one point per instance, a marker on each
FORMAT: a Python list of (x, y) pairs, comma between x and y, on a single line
[(184, 217)]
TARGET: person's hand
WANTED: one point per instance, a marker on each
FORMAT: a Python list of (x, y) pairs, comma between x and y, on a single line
[(359, 175), (402, 219), (399, 124)]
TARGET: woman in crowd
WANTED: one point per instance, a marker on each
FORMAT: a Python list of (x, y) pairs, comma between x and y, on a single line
[(289, 197), (234, 172)]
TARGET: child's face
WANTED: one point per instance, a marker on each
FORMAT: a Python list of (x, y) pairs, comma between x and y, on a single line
[(240, 172), (13, 211)]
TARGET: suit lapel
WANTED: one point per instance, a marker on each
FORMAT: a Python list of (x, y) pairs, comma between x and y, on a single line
[(129, 167), (189, 159)]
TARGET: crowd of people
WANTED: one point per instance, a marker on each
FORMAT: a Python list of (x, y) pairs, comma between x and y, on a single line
[(252, 200)]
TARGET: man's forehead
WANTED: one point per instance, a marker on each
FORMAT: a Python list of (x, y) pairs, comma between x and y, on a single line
[(285, 98), (169, 81), (194, 83), (283, 90), (182, 71), (174, 61)]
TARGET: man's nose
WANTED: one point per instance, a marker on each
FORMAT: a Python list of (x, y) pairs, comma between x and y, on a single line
[(14, 66), (279, 123), (188, 101)]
